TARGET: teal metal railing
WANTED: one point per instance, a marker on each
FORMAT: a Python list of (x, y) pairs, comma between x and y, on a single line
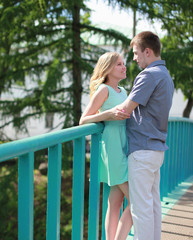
[(178, 165), (178, 161), (24, 151)]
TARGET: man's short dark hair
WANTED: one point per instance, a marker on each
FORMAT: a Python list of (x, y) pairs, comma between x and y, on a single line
[(145, 40)]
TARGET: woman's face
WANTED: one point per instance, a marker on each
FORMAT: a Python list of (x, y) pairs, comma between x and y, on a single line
[(119, 70)]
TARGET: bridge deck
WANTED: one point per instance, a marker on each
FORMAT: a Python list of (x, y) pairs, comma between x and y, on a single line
[(178, 223)]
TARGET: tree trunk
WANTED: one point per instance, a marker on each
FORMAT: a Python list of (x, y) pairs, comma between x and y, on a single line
[(134, 22), (76, 69), (188, 108)]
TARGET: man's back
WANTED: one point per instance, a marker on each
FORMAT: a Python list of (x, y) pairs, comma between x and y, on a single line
[(153, 90)]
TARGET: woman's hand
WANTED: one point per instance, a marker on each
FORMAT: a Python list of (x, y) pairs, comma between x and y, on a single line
[(117, 113)]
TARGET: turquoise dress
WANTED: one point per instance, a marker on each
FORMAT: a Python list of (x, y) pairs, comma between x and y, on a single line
[(114, 144)]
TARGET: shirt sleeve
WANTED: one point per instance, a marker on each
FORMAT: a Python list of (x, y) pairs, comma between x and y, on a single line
[(143, 88)]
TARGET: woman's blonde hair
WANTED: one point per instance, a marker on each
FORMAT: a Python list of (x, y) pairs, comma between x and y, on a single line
[(104, 65)]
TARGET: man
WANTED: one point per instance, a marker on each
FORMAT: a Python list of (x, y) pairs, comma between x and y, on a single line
[(148, 103)]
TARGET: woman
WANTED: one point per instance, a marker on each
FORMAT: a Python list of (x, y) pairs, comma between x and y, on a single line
[(106, 94)]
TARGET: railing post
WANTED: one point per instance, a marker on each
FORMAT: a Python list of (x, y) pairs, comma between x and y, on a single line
[(78, 188), (54, 192), (184, 150), (25, 196), (165, 166), (188, 146), (173, 169), (94, 188), (185, 158), (171, 158), (180, 152), (191, 150)]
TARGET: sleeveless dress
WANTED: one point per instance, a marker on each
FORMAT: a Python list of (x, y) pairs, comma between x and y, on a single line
[(114, 144)]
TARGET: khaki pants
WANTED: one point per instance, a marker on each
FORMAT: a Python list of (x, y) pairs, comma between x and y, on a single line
[(144, 179)]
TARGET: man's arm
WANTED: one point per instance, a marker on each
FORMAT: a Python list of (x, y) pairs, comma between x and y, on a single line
[(128, 105), (124, 109)]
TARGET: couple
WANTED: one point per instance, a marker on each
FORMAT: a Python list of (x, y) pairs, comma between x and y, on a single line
[(132, 146)]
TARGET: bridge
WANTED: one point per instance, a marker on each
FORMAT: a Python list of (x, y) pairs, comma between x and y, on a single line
[(176, 169)]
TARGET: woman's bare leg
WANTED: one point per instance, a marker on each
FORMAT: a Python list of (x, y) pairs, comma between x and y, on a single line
[(125, 222), (115, 201)]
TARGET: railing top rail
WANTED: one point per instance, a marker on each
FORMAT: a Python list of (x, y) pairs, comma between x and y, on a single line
[(32, 144), (180, 119)]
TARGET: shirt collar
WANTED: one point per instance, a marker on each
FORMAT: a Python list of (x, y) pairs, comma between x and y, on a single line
[(156, 63)]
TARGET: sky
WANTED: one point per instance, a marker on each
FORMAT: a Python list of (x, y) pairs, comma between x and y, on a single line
[(107, 16)]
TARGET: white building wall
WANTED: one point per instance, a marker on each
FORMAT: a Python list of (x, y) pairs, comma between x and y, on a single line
[(36, 127)]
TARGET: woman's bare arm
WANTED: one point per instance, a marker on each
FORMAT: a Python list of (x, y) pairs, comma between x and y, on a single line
[(91, 114)]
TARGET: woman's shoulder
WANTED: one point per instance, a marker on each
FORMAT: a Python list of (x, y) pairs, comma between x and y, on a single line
[(102, 91), (103, 87)]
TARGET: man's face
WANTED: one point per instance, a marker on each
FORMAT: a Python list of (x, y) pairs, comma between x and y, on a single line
[(139, 56)]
